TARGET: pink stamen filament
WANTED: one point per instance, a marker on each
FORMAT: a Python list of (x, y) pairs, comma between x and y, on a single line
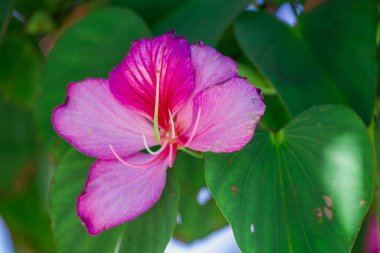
[(172, 125), (154, 152), (137, 166), (170, 155), (194, 129)]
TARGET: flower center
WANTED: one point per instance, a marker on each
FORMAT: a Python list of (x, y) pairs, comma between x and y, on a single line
[(167, 138)]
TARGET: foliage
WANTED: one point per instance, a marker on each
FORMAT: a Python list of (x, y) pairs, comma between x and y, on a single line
[(305, 182)]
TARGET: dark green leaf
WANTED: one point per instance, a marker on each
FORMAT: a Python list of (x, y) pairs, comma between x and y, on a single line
[(90, 48), (328, 58), (150, 10), (6, 7), (306, 188), (202, 20), (17, 135), (148, 233)]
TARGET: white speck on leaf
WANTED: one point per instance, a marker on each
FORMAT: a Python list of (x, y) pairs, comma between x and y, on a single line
[(252, 228)]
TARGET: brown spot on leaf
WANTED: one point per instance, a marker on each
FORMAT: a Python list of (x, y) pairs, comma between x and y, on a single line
[(172, 194), (362, 202), (328, 201), (318, 213), (328, 213), (234, 189)]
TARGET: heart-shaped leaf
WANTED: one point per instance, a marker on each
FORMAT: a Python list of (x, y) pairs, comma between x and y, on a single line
[(148, 233), (304, 189)]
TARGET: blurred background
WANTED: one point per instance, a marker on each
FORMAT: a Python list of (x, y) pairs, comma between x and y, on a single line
[(32, 82)]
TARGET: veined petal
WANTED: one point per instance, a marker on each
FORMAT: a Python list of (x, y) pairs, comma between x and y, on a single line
[(166, 60), (211, 68), (115, 193), (229, 115), (92, 119)]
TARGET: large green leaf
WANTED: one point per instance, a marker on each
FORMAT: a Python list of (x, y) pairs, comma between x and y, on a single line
[(303, 189), (90, 48), (202, 20), (148, 233), (197, 219), (328, 57)]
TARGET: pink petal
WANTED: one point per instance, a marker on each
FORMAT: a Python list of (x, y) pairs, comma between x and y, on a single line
[(133, 82), (92, 119), (229, 116), (115, 193), (211, 67)]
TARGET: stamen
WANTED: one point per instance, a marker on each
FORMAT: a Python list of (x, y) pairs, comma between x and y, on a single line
[(154, 152), (194, 129), (172, 124), (136, 166), (156, 104), (170, 155)]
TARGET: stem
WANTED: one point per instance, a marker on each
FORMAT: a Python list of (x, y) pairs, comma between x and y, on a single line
[(193, 153)]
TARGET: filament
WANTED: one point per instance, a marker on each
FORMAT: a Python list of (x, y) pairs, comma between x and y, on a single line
[(194, 129), (172, 125), (170, 155), (156, 104), (137, 166), (154, 152)]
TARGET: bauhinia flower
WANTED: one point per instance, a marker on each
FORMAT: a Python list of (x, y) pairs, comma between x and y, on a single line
[(165, 93)]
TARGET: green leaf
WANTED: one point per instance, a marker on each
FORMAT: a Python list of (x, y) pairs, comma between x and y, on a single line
[(275, 116), (6, 7), (197, 220), (307, 187), (329, 57), (18, 54), (91, 48), (150, 10), (202, 20), (148, 233)]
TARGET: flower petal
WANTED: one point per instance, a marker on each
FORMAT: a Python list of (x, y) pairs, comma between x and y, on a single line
[(133, 82), (211, 67), (92, 119), (229, 115), (115, 193)]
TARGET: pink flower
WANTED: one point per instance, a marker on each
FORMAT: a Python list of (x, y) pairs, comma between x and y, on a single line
[(165, 92)]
